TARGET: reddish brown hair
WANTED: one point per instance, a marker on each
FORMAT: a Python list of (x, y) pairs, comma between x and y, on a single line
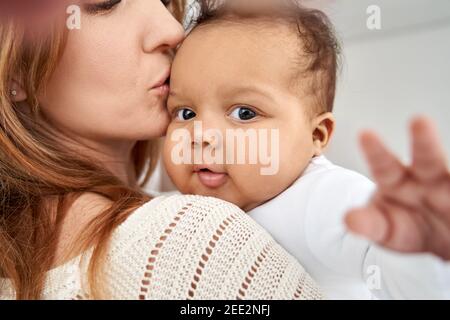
[(40, 178)]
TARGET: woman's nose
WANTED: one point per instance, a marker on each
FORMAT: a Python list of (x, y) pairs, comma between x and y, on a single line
[(164, 32)]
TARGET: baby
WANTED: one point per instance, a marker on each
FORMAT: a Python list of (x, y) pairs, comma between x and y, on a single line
[(252, 92)]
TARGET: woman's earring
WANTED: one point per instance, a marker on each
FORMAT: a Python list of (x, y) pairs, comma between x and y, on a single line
[(13, 93)]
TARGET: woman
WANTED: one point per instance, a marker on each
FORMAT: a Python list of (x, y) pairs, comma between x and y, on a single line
[(81, 112)]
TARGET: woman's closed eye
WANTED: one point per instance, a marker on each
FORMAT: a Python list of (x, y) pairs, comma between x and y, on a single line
[(101, 7), (185, 114), (106, 6), (243, 113)]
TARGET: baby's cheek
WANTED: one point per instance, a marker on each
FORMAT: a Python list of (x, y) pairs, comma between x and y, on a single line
[(181, 176), (177, 172), (252, 188)]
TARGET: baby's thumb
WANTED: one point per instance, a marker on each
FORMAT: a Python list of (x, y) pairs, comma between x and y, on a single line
[(367, 222)]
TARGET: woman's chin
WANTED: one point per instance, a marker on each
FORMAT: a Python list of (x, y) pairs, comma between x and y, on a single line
[(158, 123)]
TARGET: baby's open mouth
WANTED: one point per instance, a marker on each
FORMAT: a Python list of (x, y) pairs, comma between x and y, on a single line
[(210, 178)]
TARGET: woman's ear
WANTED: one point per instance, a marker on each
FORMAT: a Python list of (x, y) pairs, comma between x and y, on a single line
[(322, 131), (16, 91)]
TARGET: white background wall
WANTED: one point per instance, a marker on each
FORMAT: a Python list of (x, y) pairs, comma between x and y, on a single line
[(390, 75)]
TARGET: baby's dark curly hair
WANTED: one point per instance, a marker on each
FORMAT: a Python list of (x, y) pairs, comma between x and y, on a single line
[(318, 59)]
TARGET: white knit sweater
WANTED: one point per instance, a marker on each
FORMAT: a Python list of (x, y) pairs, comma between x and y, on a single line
[(186, 247)]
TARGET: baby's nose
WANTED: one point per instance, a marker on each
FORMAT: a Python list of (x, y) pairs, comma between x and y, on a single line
[(206, 141)]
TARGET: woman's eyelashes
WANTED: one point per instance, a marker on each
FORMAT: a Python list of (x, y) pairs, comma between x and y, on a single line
[(106, 6), (101, 7)]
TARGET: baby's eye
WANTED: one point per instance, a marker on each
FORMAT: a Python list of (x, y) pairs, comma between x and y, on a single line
[(185, 114), (243, 114)]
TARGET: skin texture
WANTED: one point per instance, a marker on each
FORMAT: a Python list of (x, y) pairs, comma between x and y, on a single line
[(214, 75)]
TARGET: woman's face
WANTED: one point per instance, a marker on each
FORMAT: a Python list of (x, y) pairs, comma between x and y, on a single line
[(109, 84)]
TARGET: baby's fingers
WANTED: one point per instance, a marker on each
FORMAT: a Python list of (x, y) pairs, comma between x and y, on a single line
[(368, 222), (429, 162), (386, 169), (393, 227)]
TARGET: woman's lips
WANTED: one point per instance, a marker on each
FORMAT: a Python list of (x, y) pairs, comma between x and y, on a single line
[(162, 90), (212, 179), (162, 87)]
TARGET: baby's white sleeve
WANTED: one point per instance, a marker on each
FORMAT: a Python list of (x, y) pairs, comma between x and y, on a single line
[(387, 275), (391, 275)]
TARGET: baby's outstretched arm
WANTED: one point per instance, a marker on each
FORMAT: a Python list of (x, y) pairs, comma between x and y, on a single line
[(410, 211)]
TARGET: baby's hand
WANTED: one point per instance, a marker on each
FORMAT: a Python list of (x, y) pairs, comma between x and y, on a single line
[(410, 211)]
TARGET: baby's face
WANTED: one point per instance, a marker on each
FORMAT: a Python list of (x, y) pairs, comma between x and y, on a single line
[(228, 77)]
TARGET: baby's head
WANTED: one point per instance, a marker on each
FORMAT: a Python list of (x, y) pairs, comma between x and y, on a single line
[(252, 91)]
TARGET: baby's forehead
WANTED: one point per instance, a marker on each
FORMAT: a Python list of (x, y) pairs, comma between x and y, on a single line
[(254, 30), (294, 47), (226, 57), (258, 41)]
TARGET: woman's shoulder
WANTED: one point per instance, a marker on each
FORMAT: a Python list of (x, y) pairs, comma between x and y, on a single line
[(175, 199), (194, 247), (167, 207), (167, 212)]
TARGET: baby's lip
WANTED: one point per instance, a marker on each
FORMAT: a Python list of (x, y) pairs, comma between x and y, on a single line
[(209, 168), (212, 179), (211, 176)]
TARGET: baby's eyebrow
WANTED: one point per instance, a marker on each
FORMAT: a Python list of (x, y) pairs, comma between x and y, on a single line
[(245, 89), (241, 90)]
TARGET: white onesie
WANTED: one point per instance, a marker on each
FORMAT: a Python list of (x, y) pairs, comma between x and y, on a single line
[(307, 220)]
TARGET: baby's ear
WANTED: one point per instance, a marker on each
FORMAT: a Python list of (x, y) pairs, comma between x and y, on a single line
[(16, 91), (323, 128)]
